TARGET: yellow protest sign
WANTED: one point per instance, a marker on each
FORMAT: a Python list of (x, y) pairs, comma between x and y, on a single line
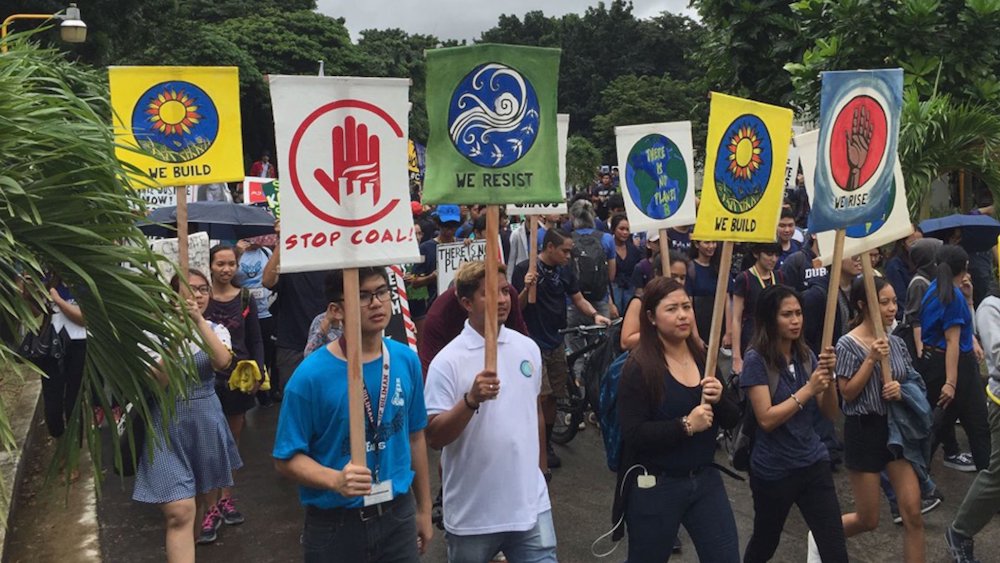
[(179, 125), (744, 170)]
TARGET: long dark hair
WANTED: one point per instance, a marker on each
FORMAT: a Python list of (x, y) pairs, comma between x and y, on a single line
[(951, 261), (648, 355), (716, 261), (859, 298), (765, 338), (615, 221)]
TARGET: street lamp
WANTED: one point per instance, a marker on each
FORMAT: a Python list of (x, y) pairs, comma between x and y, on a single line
[(71, 30)]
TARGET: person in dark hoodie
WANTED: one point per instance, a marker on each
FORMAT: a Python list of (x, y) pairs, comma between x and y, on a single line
[(899, 269)]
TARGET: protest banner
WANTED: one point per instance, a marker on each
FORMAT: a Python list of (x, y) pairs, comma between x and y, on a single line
[(416, 158), (893, 225), (178, 125), (658, 184), (198, 247), (559, 206), (156, 198), (258, 191), (856, 152), (743, 185), (492, 118), (346, 192), (450, 258), (792, 168)]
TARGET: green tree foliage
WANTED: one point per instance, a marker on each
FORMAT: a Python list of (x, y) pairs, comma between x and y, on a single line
[(946, 47), (632, 99), (606, 42), (746, 46), (66, 208), (583, 160)]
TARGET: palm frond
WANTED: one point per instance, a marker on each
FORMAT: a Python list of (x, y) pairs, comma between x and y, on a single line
[(66, 207)]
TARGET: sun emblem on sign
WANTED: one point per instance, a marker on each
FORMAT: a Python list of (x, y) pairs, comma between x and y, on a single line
[(744, 153), (173, 112)]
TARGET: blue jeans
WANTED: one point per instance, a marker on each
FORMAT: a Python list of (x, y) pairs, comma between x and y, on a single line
[(537, 545), (699, 502), (345, 538), (620, 296)]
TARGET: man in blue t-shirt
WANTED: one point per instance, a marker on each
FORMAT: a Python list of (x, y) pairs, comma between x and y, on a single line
[(354, 512)]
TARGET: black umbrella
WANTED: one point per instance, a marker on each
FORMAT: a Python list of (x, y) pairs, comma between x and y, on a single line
[(220, 219), (979, 232)]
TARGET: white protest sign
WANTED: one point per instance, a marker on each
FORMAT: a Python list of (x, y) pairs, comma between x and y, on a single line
[(562, 128), (792, 167), (156, 198), (198, 247), (451, 256), (344, 196), (860, 238), (656, 162)]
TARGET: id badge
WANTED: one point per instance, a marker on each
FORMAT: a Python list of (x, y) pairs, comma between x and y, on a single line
[(381, 492)]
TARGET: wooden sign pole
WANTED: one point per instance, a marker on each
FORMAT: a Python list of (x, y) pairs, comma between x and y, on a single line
[(182, 233), (352, 334), (833, 291), (718, 308), (875, 311), (532, 255), (664, 255), (492, 285)]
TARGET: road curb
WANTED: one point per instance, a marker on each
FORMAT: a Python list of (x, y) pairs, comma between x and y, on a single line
[(23, 415)]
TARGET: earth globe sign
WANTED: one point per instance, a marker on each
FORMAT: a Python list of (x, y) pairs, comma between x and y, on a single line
[(743, 163), (656, 176)]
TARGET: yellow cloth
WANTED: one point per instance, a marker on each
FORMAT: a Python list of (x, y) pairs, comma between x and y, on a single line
[(744, 170), (245, 375)]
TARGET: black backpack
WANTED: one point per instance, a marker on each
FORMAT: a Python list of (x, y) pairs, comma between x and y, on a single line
[(590, 264), (739, 439)]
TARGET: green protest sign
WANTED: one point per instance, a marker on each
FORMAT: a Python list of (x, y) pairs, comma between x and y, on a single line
[(493, 136)]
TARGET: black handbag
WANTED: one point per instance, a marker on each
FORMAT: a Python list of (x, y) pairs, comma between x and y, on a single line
[(48, 343)]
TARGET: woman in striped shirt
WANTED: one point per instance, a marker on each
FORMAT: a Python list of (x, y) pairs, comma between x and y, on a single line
[(866, 392)]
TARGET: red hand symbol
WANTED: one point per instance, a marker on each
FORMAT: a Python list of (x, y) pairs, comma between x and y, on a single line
[(355, 163)]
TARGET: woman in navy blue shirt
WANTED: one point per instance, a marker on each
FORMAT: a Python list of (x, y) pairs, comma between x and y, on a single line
[(669, 416), (627, 256), (789, 464), (949, 364), (703, 281)]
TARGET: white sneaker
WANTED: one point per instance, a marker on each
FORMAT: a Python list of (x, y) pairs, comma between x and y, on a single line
[(813, 553)]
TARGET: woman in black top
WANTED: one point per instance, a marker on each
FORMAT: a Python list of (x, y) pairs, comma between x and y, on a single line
[(627, 256), (667, 412)]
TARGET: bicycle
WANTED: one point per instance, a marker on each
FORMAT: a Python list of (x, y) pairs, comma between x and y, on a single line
[(582, 388)]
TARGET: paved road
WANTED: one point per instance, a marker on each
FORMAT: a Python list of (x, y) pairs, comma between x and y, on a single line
[(581, 495)]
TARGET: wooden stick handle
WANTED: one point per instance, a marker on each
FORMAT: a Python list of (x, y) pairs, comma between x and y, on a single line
[(719, 309), (492, 285), (664, 254), (184, 262), (875, 311), (833, 291), (352, 334), (532, 256)]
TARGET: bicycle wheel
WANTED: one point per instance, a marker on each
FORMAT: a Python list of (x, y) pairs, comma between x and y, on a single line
[(569, 415)]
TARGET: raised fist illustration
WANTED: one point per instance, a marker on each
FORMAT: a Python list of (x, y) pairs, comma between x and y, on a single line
[(355, 163), (858, 141)]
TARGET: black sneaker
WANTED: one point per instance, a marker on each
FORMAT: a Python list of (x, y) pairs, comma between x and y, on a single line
[(960, 462), (959, 546), (929, 503), (210, 526), (227, 509), (677, 545), (553, 460)]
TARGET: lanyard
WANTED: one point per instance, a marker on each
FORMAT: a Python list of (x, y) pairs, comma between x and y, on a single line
[(760, 280), (374, 419)]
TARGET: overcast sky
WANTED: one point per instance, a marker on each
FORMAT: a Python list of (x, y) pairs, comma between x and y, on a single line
[(464, 19)]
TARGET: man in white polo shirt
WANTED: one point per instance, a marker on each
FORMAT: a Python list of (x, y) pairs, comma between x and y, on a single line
[(495, 496)]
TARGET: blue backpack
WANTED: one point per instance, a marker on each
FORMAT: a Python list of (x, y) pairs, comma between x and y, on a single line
[(610, 431)]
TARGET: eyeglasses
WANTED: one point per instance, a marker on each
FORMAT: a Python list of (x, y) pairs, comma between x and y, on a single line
[(368, 297), (202, 289)]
